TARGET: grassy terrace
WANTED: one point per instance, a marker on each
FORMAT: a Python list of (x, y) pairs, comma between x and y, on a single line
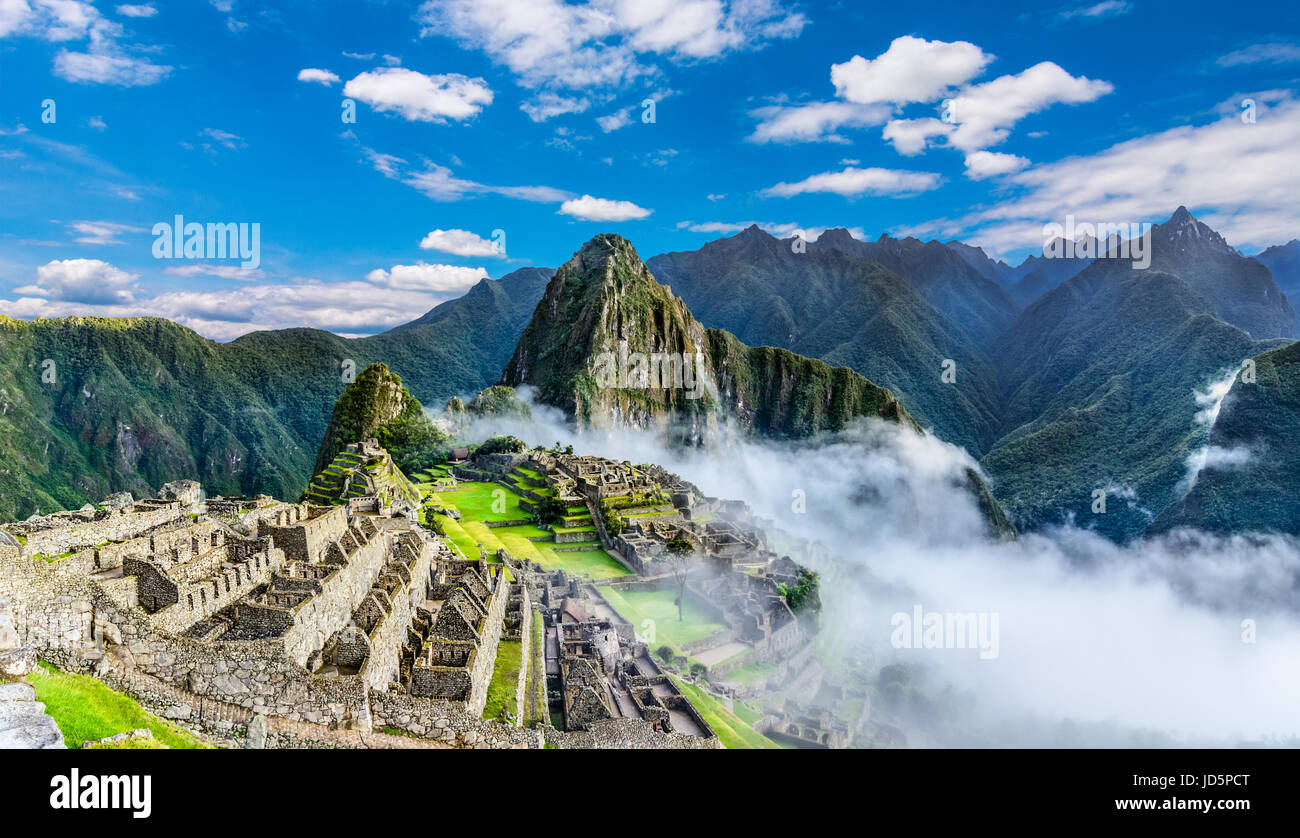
[(505, 679), (658, 607), (480, 503), (734, 731), (86, 710)]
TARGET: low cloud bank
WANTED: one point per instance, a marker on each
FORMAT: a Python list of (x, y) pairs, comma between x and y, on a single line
[(1189, 638)]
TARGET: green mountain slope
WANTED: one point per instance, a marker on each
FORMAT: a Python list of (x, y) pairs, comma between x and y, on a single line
[(1101, 373), (605, 304), (1260, 419), (137, 402), (847, 310)]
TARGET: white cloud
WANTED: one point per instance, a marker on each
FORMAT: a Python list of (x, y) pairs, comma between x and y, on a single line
[(97, 122), (852, 182), (102, 232), (548, 105), (1269, 53), (1106, 8), (616, 120), (911, 136), (418, 97), (224, 138), (987, 164), (813, 122), (423, 276), (220, 271), (82, 281), (985, 113), (440, 184), (1240, 178), (588, 208), (137, 10), (382, 300), (460, 243), (104, 61), (312, 74), (600, 43), (911, 70)]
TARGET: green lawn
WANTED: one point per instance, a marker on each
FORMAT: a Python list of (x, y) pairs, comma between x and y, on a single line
[(474, 501), (731, 729), (749, 674), (85, 710), (595, 564), (657, 606), (503, 689)]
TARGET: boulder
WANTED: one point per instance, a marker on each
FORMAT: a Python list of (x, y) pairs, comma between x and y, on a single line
[(23, 723), (16, 663)]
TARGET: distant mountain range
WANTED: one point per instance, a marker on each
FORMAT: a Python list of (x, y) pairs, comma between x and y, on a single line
[(1071, 376), (129, 404)]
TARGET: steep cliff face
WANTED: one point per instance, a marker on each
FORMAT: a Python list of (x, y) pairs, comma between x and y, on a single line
[(605, 340)]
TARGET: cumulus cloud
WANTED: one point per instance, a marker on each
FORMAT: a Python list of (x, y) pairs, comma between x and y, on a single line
[(1249, 173), (311, 74), (852, 182), (911, 70), (588, 208), (422, 276), (604, 43), (82, 281), (911, 136), (104, 60), (382, 300), (418, 97), (461, 243), (982, 115)]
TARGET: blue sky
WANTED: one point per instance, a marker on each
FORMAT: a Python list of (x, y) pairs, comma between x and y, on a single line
[(941, 120)]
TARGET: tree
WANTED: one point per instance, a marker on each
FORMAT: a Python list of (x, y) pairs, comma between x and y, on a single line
[(550, 510), (678, 554)]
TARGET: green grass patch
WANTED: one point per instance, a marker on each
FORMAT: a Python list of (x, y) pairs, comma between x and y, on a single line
[(85, 709), (657, 606), (731, 728), (594, 564), (503, 689)]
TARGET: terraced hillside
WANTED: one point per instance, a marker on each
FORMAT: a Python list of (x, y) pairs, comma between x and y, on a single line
[(358, 474), (494, 514)]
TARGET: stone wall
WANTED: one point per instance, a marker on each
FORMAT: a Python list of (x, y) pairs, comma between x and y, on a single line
[(305, 540), (625, 734), (446, 721), (318, 618)]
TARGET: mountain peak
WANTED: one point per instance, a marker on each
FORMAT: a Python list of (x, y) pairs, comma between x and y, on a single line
[(836, 236), (601, 249)]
